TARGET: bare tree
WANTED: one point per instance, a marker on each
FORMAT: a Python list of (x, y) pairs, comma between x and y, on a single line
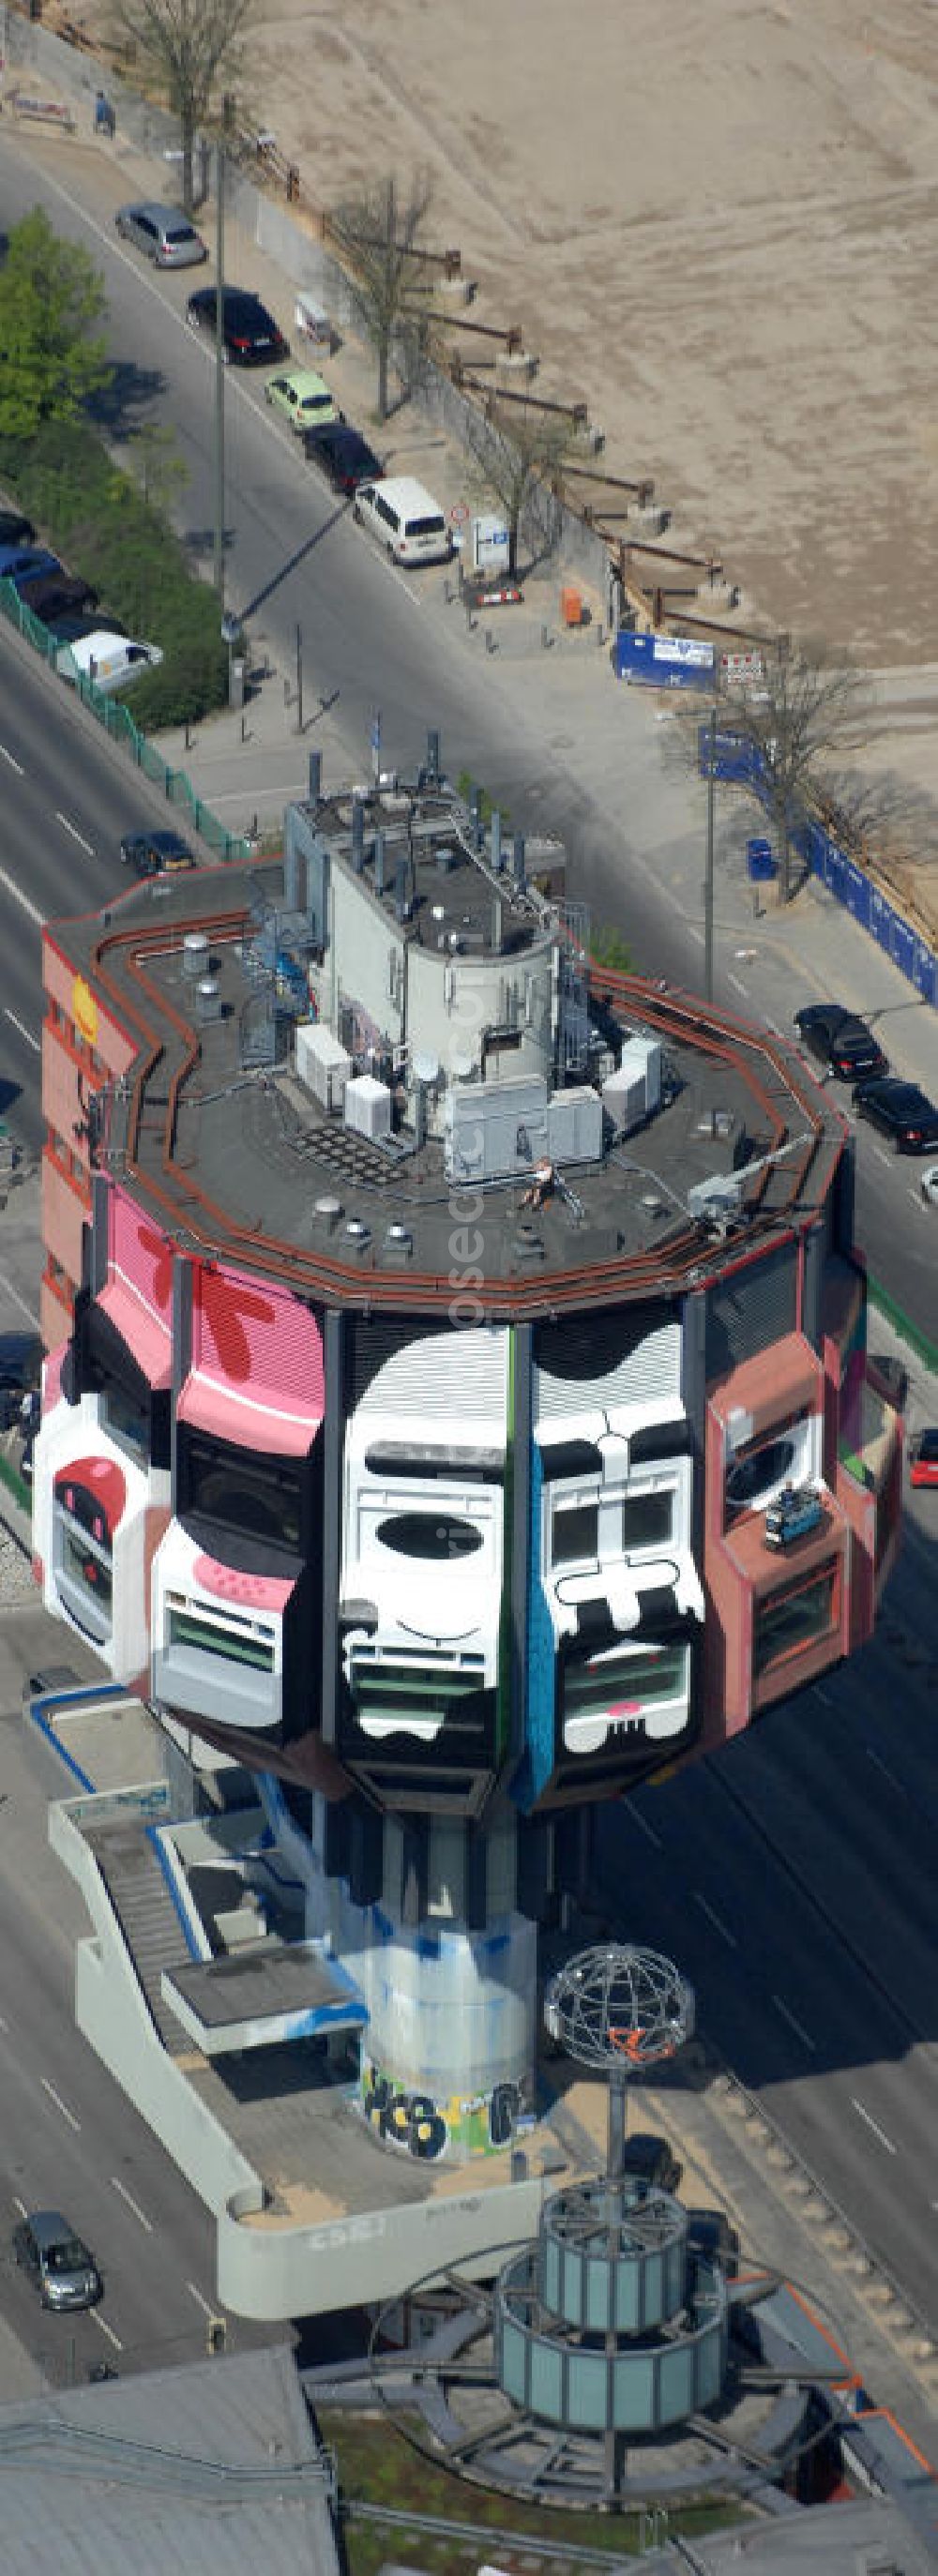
[(163, 472), (378, 237), (190, 45), (517, 461), (796, 722)]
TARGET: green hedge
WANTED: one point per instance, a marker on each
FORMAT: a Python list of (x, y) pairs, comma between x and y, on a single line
[(95, 517)]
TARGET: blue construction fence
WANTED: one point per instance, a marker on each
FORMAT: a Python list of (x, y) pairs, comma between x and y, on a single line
[(117, 721), (738, 762)]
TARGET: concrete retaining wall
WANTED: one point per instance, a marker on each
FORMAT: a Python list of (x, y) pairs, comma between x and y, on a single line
[(271, 2271)]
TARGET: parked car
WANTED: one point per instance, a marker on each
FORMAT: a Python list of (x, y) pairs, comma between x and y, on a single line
[(20, 1373), (406, 519), (900, 1110), (18, 562), (250, 334), (650, 2159), (928, 1183), (15, 529), (64, 2273), (795, 1512), (107, 659), (840, 1040), (923, 1458), (156, 854), (51, 594), (303, 397), (71, 626), (344, 455), (164, 233)]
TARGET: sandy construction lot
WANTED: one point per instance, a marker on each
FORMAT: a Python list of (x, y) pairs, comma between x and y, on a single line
[(716, 220)]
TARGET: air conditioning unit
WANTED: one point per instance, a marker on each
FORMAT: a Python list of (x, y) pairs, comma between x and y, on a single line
[(633, 1092), (367, 1107), (322, 1063)]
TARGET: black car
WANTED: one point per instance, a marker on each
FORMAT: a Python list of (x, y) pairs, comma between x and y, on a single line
[(649, 2159), (901, 1111), (841, 1041), (15, 530), (344, 455), (54, 595), (156, 854), (70, 626), (20, 1373), (250, 334)]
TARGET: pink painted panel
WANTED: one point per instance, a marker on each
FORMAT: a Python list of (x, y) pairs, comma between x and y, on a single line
[(138, 1293), (244, 1591), (257, 1363)]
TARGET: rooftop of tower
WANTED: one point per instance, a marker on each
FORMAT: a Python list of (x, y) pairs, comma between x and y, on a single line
[(240, 1143)]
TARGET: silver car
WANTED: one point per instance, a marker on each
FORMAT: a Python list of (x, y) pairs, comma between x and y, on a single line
[(163, 232), (928, 1183), (65, 2274)]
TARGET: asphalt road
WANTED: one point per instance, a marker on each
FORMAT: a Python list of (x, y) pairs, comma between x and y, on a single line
[(793, 1878), (372, 636), (69, 2138)]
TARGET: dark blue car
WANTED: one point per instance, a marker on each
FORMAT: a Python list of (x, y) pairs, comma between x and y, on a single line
[(23, 563)]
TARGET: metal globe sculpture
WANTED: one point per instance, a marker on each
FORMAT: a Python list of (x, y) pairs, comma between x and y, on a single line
[(617, 2002)]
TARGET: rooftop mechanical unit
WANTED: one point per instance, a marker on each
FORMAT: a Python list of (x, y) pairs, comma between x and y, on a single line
[(633, 1092), (492, 1130), (575, 1126), (367, 1107), (322, 1063)]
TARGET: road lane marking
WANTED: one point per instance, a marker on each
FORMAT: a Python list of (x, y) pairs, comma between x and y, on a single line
[(873, 1756), (59, 2104), (737, 986), (204, 2304), (823, 1695), (132, 2204), (874, 2125), (4, 2025), (715, 1918), (24, 1032), (75, 833), (694, 933), (794, 2024), (644, 1826), (14, 764), (19, 897), (19, 2204), (14, 1294), (107, 2330)]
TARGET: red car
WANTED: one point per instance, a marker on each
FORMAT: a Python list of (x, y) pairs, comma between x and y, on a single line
[(923, 1459)]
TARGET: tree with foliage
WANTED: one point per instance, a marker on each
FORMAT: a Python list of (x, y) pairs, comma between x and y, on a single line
[(189, 45), (795, 722), (163, 472), (51, 296), (378, 239), (516, 459)]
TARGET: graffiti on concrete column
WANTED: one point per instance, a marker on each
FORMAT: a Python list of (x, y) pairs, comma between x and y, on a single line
[(479, 2124)]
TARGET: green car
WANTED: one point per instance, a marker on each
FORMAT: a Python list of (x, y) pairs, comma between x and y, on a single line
[(304, 398)]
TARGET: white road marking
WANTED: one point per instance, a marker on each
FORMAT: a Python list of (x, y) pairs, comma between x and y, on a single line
[(715, 1918), (19, 2205), (873, 1756), (874, 2125), (59, 2104), (4, 2025), (794, 2024), (25, 1033), (881, 1157), (204, 2304), (132, 2204), (14, 1294), (107, 2330), (14, 764), (776, 1031), (19, 897), (75, 833), (823, 1695), (644, 1826), (737, 986), (694, 933)]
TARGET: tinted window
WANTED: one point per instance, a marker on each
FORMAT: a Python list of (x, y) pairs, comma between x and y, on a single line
[(384, 509), (795, 1620), (646, 1519), (576, 1533), (181, 233), (753, 1475), (435, 527), (259, 1496), (437, 1538)]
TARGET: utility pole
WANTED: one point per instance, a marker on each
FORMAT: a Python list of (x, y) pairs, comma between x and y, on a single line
[(219, 554), (708, 878)]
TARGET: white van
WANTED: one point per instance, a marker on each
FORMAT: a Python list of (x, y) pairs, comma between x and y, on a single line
[(106, 659), (406, 518)]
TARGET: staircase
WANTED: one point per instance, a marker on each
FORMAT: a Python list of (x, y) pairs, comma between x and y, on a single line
[(146, 1914)]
